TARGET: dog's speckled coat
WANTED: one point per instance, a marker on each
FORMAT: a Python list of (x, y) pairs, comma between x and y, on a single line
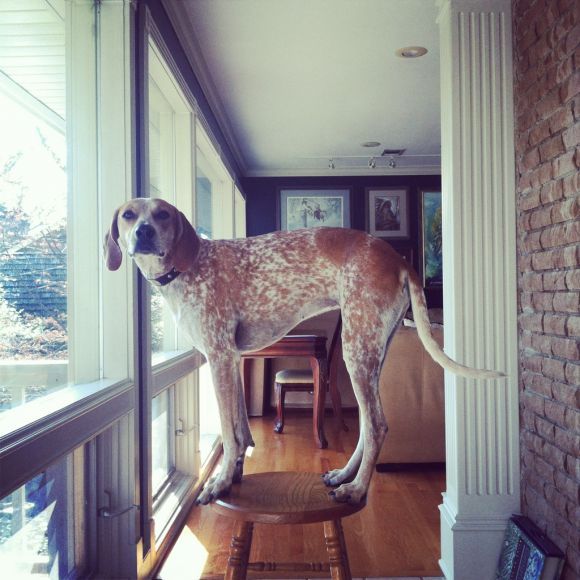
[(235, 296)]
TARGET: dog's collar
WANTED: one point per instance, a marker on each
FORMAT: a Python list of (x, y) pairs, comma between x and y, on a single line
[(166, 278)]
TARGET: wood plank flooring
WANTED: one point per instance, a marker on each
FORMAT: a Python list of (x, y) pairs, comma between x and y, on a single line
[(396, 535)]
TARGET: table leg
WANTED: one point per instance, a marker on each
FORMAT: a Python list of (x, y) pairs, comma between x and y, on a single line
[(320, 378), (333, 387), (246, 364)]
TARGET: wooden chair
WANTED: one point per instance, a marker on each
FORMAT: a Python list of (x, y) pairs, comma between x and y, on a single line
[(303, 380), (284, 498)]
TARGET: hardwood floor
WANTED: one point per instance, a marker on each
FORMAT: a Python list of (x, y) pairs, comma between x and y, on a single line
[(397, 534)]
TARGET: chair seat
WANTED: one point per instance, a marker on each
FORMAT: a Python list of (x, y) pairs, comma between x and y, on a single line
[(294, 376), (283, 498)]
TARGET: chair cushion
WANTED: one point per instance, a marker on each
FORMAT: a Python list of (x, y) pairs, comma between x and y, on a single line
[(294, 376)]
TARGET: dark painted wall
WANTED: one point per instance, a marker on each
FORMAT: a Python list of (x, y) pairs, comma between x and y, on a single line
[(262, 206)]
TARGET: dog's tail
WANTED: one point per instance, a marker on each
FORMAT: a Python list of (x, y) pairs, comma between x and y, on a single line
[(421, 318)]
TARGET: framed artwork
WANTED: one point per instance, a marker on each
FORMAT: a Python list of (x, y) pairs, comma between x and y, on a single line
[(388, 212), (309, 208), (431, 238)]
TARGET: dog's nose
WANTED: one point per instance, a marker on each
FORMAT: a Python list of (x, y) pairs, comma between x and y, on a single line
[(145, 232)]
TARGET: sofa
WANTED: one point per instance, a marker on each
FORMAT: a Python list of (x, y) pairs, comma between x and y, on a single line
[(412, 395)]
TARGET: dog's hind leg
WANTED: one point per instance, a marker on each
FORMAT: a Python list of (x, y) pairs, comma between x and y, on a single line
[(368, 326), (348, 472), (243, 432)]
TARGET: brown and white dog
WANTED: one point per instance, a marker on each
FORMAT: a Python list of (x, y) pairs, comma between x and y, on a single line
[(235, 296)]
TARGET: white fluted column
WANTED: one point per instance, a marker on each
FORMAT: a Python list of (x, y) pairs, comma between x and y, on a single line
[(480, 303)]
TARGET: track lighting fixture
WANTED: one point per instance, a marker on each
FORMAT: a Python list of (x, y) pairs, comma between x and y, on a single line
[(392, 163), (331, 164), (372, 163)]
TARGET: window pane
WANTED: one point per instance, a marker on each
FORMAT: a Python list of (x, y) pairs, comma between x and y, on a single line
[(203, 203), (162, 456), (209, 419), (37, 523), (33, 211)]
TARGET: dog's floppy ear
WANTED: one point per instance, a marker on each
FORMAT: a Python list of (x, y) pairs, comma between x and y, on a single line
[(186, 245), (113, 254)]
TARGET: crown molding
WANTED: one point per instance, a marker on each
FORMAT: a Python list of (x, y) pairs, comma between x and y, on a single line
[(346, 172), (181, 22)]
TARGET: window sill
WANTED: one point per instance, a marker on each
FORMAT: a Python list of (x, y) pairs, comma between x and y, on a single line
[(172, 366)]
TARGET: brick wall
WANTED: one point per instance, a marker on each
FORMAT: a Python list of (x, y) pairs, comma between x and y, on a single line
[(547, 105)]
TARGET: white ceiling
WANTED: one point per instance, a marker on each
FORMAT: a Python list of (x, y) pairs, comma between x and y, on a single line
[(297, 82)]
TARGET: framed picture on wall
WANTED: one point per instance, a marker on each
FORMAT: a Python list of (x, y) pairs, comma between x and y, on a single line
[(309, 208), (388, 212), (431, 239)]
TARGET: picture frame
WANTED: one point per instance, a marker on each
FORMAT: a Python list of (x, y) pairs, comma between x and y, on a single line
[(388, 212), (312, 207), (430, 238)]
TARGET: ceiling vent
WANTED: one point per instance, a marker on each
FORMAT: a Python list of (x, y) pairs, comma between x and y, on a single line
[(393, 152)]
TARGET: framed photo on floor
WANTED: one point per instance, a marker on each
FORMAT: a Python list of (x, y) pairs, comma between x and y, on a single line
[(309, 208), (388, 212)]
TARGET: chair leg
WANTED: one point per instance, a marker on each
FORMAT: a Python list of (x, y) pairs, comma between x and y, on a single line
[(336, 548), (239, 551), (280, 399)]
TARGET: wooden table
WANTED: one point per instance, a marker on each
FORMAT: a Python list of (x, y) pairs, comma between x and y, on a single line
[(308, 346)]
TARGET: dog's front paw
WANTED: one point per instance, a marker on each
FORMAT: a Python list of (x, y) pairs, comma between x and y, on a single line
[(336, 477), (213, 489), (349, 493)]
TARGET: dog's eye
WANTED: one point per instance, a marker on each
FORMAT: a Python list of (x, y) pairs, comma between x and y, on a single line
[(162, 215), (129, 214)]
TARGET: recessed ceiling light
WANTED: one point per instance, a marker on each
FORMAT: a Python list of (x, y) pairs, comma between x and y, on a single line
[(370, 144), (411, 51)]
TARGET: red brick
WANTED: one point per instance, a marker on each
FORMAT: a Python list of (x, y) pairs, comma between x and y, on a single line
[(554, 369), (572, 419), (542, 343), (570, 87), (533, 402), (560, 234), (567, 302), (552, 191), (572, 374), (561, 119), (567, 441), (551, 148), (569, 487), (555, 324), (536, 444), (553, 281), (546, 429), (572, 326), (566, 210), (545, 470), (531, 322), (571, 185), (567, 394), (543, 301), (540, 132), (571, 136), (573, 466), (556, 499), (573, 38), (564, 164), (531, 242), (564, 348), (543, 174), (573, 280)]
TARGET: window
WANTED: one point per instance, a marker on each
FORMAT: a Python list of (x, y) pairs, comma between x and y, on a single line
[(170, 176), (65, 336), (33, 217), (37, 520)]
